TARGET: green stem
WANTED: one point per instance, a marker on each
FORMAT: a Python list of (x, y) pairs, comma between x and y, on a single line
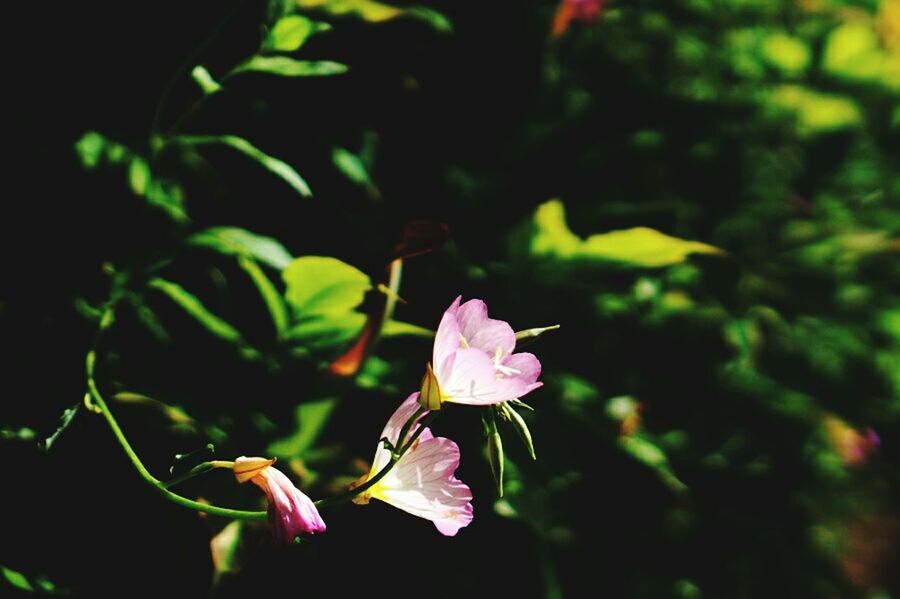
[(189, 63), (406, 426), (157, 485), (197, 471), (395, 457)]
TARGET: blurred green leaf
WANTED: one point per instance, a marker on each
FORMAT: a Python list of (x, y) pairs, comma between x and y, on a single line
[(271, 296), (16, 579), (378, 12), (396, 328), (274, 165), (853, 52), (234, 241), (639, 247), (206, 82), (350, 164), (790, 55), (39, 585), (284, 66), (95, 150), (291, 32), (311, 419), (322, 285), (139, 175), (195, 308), (327, 331), (814, 112)]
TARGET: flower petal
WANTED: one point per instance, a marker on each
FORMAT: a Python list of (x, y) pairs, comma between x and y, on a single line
[(291, 511), (247, 468), (473, 380), (447, 339), (423, 484), (526, 366), (392, 429), (482, 332)]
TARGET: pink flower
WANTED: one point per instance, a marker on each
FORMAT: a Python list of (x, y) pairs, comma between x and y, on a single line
[(291, 512), (422, 482), (473, 361)]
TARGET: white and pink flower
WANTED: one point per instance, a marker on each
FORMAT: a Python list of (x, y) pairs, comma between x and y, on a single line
[(473, 361), (422, 482)]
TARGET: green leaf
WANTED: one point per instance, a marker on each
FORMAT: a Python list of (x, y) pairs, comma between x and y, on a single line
[(291, 32), (327, 332), (639, 247), (195, 308), (790, 55), (139, 175), (814, 112), (852, 52), (284, 66), (95, 150), (234, 241), (437, 20), (64, 421), (17, 579), (271, 296), (321, 285), (379, 12), (351, 166), (206, 82), (274, 165), (395, 328), (644, 451), (311, 418)]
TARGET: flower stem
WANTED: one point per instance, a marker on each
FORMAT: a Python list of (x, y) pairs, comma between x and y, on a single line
[(157, 485), (396, 454)]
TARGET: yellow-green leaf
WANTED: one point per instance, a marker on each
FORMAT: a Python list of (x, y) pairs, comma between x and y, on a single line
[(284, 66), (235, 241), (291, 32), (639, 247), (278, 167), (321, 285)]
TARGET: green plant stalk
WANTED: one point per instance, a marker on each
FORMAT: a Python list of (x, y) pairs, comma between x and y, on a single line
[(157, 485), (198, 470)]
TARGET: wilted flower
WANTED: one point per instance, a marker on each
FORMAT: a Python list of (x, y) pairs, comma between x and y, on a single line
[(473, 361), (291, 512), (422, 482), (587, 11), (853, 447)]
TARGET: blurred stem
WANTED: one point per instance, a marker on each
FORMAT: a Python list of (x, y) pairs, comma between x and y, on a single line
[(198, 470), (190, 62), (395, 457), (158, 485)]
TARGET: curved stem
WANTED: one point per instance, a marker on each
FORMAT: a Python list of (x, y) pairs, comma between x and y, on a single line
[(157, 485)]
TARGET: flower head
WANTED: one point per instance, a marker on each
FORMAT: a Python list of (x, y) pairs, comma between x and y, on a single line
[(473, 361), (422, 482), (291, 512)]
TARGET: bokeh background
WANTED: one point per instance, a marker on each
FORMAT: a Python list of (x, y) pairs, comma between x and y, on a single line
[(705, 195)]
